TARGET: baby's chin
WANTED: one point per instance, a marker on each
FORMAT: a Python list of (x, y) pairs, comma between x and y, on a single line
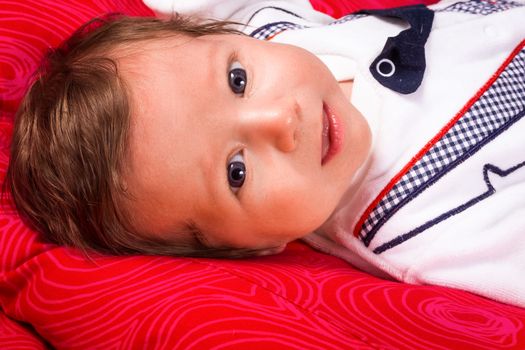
[(348, 193)]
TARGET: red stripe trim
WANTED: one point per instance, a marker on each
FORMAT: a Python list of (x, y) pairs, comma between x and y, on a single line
[(435, 139), (273, 36)]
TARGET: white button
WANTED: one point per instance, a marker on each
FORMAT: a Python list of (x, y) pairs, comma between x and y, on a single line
[(385, 67)]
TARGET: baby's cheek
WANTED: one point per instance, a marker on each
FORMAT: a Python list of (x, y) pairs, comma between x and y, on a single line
[(302, 213)]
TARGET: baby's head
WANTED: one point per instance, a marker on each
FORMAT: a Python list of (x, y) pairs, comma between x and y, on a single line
[(142, 135)]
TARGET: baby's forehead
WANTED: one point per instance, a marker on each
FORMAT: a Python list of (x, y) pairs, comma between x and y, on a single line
[(139, 61), (139, 56), (169, 40)]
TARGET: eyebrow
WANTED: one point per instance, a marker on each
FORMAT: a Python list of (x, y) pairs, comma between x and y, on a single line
[(213, 55), (218, 55), (191, 228)]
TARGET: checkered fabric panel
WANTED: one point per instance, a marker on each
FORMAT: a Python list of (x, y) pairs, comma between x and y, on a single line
[(494, 111), (348, 18), (481, 7), (270, 30)]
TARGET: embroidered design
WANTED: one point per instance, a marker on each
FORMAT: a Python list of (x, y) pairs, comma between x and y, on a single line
[(270, 30), (490, 191), (481, 7), (273, 8), (497, 106)]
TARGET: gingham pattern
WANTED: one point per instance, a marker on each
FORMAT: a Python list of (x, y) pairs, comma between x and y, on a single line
[(481, 7), (491, 114), (270, 30), (348, 18)]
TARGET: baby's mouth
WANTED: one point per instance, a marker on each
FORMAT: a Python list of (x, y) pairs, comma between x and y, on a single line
[(331, 135), (325, 137)]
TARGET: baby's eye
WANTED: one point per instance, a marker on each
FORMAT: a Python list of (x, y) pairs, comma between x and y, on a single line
[(237, 78), (236, 172)]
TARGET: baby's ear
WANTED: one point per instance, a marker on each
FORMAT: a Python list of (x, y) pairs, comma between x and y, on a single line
[(271, 251)]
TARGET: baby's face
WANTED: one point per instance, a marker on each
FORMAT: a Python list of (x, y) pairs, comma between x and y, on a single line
[(252, 142)]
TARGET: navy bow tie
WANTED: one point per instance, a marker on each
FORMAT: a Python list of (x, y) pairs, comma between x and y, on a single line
[(401, 64)]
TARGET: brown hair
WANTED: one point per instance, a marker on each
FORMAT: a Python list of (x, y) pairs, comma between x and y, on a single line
[(71, 135)]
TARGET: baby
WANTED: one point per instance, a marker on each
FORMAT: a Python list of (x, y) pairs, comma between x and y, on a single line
[(119, 149), (389, 138)]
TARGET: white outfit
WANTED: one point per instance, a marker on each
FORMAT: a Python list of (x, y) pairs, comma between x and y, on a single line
[(441, 198)]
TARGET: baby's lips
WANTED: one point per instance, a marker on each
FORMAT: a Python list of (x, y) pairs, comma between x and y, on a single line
[(325, 136), (335, 135)]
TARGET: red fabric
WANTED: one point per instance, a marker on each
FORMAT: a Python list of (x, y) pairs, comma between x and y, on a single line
[(338, 8), (15, 336), (301, 299)]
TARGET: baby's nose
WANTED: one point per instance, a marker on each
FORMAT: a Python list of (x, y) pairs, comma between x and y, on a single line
[(276, 123)]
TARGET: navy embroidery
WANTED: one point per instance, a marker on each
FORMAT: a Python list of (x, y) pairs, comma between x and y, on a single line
[(272, 29), (401, 65), (490, 191), (272, 8), (481, 7), (500, 106)]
